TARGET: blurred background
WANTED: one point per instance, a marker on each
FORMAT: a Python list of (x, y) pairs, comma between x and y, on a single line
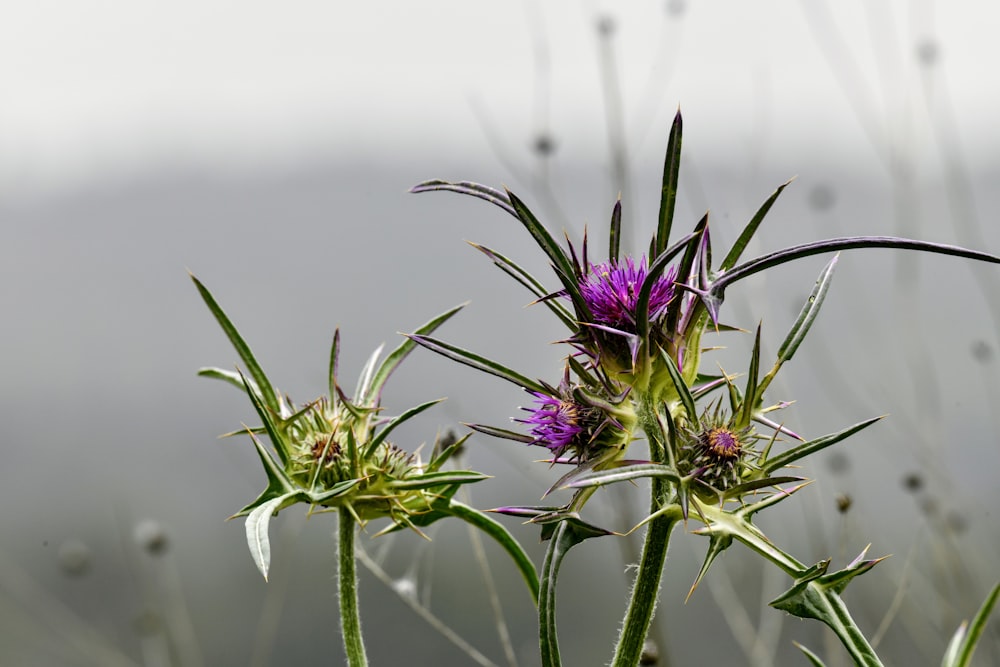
[(268, 149)]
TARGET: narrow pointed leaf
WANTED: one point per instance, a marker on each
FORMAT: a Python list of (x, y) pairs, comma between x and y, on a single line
[(396, 357), (441, 478), (833, 245), (267, 392), (615, 240), (273, 432), (393, 423), (653, 273), (810, 656), (496, 530), (968, 635), (534, 286), (257, 537), (232, 377), (687, 400), (813, 446), (684, 269), (748, 232), (613, 475), (750, 397), (808, 313), (332, 371), (475, 361), (541, 235), (278, 483), (502, 433), (468, 188), (362, 392), (717, 544), (668, 187), (446, 453)]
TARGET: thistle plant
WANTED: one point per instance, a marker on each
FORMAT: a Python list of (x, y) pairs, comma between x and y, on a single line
[(715, 453), (333, 455)]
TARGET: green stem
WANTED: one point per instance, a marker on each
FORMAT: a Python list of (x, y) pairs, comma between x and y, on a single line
[(647, 584), (562, 540), (646, 590), (839, 619), (350, 621), (548, 639)]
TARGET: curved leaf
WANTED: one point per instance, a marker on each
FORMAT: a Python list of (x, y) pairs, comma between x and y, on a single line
[(473, 360)]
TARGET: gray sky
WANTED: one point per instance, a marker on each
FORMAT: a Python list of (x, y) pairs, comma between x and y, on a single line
[(96, 87)]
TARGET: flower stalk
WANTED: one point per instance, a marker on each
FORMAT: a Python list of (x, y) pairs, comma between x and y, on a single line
[(347, 588)]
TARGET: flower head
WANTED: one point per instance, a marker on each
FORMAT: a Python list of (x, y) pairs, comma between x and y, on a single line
[(718, 451), (611, 291), (571, 420)]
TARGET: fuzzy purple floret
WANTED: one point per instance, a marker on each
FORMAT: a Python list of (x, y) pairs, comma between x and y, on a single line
[(553, 422), (611, 291)]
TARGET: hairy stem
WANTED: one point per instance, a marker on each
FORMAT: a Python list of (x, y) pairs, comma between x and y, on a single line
[(350, 621), (646, 590)]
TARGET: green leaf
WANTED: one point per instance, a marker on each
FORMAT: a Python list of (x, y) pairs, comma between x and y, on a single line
[(624, 473), (717, 544), (816, 595), (653, 273), (963, 643), (496, 530), (442, 478), (560, 261), (813, 446), (833, 245), (393, 423), (812, 657), (446, 453), (565, 535), (273, 432), (534, 286), (257, 537), (468, 188), (278, 483), (363, 391), (232, 377), (615, 240), (396, 357), (751, 397), (808, 313), (684, 270), (475, 361), (332, 372), (687, 400), (748, 232), (668, 188), (267, 392), (502, 433)]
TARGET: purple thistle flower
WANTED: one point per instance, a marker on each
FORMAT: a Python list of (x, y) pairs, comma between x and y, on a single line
[(554, 422), (611, 291)]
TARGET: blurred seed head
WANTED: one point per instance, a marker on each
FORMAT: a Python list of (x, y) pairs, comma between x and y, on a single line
[(844, 503), (928, 52), (838, 463), (913, 482), (544, 145), (982, 351), (822, 198), (75, 558), (606, 26), (676, 8), (151, 537)]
